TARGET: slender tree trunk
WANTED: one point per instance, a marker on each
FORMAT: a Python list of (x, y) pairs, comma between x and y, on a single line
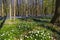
[(56, 17), (17, 9), (10, 10), (52, 7), (14, 8), (5, 9), (2, 8)]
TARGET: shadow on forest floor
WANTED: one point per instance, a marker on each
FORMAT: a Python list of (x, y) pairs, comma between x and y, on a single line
[(47, 27), (37, 20), (1, 24)]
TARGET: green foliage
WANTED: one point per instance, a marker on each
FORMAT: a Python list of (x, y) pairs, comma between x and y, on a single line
[(38, 35), (26, 30)]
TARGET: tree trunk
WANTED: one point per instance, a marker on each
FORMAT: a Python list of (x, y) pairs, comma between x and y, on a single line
[(2, 8), (14, 8), (10, 10), (56, 17), (17, 13)]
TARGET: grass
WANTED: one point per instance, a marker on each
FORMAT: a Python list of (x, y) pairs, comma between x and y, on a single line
[(23, 29)]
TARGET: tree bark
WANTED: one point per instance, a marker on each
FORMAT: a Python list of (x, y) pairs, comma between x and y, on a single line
[(10, 10), (15, 8), (2, 8), (56, 17)]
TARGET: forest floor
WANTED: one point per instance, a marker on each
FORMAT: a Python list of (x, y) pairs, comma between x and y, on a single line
[(29, 29)]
